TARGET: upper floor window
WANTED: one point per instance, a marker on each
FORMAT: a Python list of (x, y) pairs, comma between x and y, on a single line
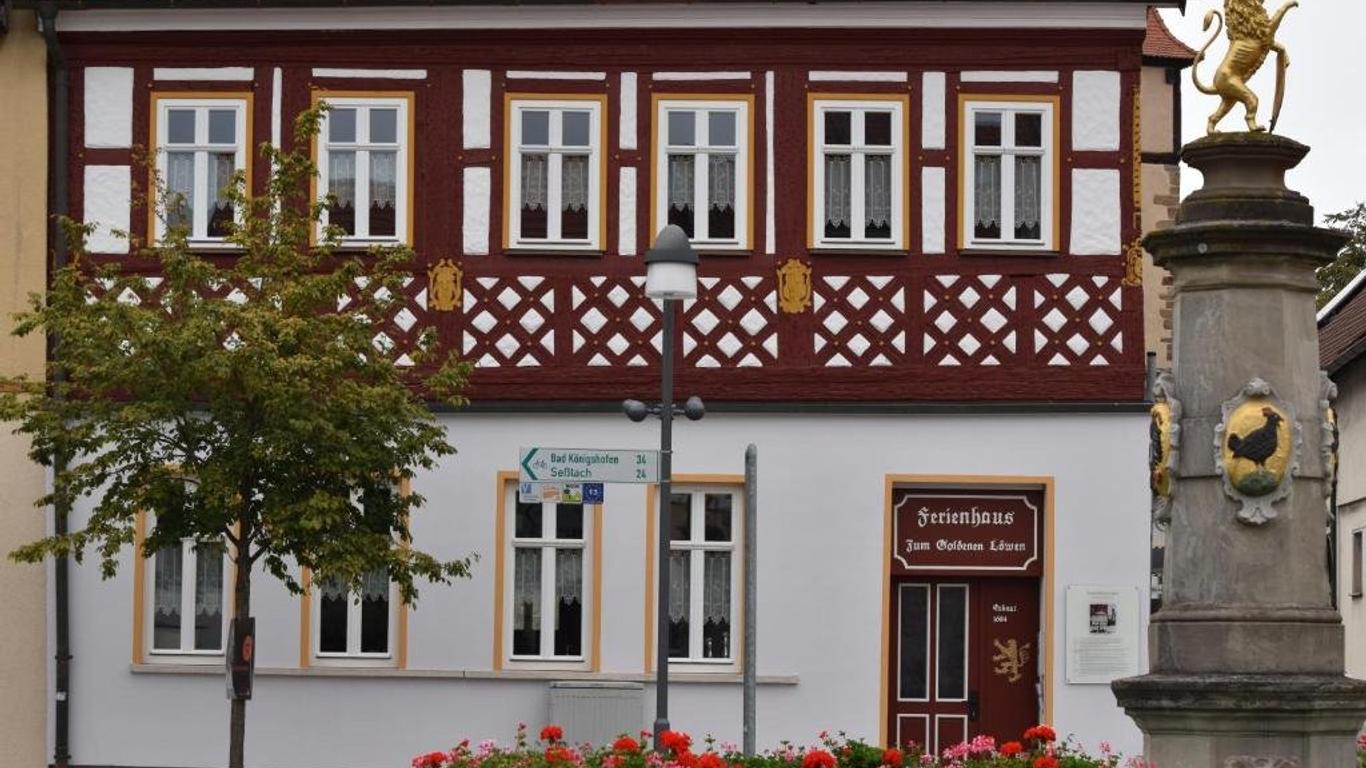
[(1008, 174), (188, 598), (703, 586), (554, 183), (549, 568), (356, 624), (858, 173), (702, 169), (201, 143), (363, 167)]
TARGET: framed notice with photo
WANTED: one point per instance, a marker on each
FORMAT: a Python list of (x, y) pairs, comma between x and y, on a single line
[(1102, 634)]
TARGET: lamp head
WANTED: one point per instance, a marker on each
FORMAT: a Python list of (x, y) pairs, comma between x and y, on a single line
[(671, 266), (694, 409), (635, 410)]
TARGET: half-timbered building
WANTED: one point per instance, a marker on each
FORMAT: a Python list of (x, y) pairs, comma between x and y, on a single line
[(920, 297)]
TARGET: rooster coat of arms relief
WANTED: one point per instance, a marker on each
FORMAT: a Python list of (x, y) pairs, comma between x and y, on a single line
[(1257, 451)]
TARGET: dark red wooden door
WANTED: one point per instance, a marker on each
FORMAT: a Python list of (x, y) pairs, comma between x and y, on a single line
[(963, 660)]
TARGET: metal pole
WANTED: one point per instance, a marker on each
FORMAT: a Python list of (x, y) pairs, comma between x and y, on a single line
[(666, 415), (751, 591)]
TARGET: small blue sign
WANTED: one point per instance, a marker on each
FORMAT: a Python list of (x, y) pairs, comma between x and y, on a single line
[(593, 493)]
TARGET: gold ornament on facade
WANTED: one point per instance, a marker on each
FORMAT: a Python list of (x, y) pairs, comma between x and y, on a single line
[(444, 289), (1133, 265), (1252, 37), (1256, 451), (794, 286)]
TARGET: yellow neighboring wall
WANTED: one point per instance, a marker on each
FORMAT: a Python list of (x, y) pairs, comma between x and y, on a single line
[(23, 245)]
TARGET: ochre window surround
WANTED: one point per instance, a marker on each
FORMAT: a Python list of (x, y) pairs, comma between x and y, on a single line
[(1052, 140), (743, 107), (242, 102), (555, 103), (141, 645), (899, 148), (506, 488), (406, 101)]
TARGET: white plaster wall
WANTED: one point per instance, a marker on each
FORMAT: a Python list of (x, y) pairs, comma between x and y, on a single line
[(1095, 111), (108, 106), (108, 199), (932, 109), (626, 211), (475, 233), (626, 123), (1095, 212), (932, 210), (475, 89), (1351, 408), (820, 592)]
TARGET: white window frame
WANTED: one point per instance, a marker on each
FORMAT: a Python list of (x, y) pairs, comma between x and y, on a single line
[(701, 150), (1047, 174), (199, 215), (188, 566), (362, 146), (698, 546), (555, 150), (352, 656), (857, 152), (1355, 563), (546, 658)]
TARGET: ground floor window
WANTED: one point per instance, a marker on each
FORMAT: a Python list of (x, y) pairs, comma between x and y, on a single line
[(188, 606), (703, 580), (355, 623)]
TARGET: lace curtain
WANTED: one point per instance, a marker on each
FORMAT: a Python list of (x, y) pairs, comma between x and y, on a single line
[(168, 581), (221, 166), (716, 587), (877, 189), (681, 181), (180, 184), (374, 586), (208, 582), (526, 588), (1028, 183), (574, 182), (383, 177), (837, 189), (987, 190), (721, 181), (341, 177), (533, 181), (569, 576), (679, 580)]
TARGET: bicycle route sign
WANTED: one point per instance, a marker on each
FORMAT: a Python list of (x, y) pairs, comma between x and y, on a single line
[(587, 465)]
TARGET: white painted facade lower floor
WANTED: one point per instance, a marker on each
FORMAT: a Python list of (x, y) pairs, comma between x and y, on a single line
[(448, 670)]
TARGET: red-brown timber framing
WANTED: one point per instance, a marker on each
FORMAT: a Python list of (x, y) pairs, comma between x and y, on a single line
[(877, 295)]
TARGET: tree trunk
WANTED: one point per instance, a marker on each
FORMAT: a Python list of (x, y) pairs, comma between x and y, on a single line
[(237, 720)]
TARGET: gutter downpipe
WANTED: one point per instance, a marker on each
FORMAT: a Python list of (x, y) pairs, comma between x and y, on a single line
[(59, 86)]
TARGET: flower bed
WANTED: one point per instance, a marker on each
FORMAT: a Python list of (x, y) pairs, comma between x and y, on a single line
[(1038, 747)]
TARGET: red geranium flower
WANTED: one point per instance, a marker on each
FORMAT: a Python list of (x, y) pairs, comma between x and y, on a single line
[(710, 760), (686, 758), (1041, 732), (429, 760), (892, 757), (625, 744), (1012, 748), (556, 754), (818, 758), (552, 733), (1046, 761), (675, 741)]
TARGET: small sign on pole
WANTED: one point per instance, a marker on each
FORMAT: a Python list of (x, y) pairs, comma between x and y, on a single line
[(241, 657), (563, 493), (587, 465)]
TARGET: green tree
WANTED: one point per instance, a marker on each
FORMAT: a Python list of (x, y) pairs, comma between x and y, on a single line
[(1351, 260), (241, 403)]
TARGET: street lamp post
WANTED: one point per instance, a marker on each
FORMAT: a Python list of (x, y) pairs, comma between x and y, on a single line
[(670, 275)]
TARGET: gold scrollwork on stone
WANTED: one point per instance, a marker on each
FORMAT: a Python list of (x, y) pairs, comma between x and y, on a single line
[(1164, 448), (794, 286), (444, 289), (1257, 451), (1133, 265)]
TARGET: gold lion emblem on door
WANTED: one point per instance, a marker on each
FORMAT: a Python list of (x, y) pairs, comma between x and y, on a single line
[(1011, 659)]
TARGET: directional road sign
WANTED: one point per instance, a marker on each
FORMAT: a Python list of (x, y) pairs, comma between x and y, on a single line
[(588, 465)]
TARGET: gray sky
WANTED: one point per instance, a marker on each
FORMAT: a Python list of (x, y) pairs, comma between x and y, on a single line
[(1325, 95)]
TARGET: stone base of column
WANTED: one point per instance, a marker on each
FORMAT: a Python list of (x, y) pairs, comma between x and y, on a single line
[(1247, 646), (1246, 721)]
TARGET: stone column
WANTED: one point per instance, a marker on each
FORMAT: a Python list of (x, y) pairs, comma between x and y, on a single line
[(1247, 650)]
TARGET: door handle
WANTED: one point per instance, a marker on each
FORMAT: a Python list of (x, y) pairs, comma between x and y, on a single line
[(972, 706)]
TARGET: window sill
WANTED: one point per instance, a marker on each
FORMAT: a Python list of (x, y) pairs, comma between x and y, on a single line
[(723, 253), (709, 678), (365, 245), (1022, 253), (524, 251)]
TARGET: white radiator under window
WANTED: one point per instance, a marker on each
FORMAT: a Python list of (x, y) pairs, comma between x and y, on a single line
[(597, 712)]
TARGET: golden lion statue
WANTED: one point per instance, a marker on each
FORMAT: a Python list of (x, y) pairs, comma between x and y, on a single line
[(1252, 35)]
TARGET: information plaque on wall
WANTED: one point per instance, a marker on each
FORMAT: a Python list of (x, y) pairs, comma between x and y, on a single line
[(1102, 634)]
